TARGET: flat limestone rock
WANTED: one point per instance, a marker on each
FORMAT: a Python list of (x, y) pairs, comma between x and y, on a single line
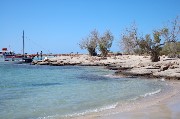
[(152, 67)]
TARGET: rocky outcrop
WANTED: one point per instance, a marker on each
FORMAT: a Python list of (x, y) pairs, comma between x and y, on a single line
[(167, 70), (126, 65)]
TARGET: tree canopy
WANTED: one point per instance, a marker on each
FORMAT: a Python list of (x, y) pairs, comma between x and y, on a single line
[(105, 43), (93, 41), (167, 37), (90, 43), (160, 41)]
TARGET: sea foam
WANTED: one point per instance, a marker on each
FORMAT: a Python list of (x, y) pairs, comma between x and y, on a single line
[(146, 94), (151, 93), (93, 110)]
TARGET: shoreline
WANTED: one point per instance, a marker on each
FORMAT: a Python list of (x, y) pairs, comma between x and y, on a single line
[(163, 105), (124, 65)]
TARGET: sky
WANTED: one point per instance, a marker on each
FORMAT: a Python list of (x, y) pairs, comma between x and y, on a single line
[(57, 26)]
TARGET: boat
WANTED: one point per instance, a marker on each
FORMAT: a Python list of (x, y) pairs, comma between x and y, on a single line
[(6, 55)]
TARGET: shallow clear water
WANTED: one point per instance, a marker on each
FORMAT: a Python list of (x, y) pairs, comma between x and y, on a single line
[(32, 92)]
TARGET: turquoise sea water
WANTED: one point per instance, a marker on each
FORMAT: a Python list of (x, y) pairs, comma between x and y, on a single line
[(35, 92)]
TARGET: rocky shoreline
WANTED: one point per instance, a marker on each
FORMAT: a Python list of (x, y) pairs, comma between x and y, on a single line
[(125, 65)]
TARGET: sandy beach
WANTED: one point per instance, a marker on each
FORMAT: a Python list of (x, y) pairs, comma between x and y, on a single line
[(163, 106)]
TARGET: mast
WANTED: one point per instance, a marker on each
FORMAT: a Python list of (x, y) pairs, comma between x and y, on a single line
[(23, 44), (25, 58)]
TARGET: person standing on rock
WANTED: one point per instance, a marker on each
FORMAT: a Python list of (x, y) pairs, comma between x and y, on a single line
[(41, 55), (37, 55)]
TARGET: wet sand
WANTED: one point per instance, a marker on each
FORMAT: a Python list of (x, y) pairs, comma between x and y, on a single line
[(167, 109), (163, 106)]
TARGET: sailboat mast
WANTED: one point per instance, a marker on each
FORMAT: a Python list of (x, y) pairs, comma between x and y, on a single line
[(23, 44)]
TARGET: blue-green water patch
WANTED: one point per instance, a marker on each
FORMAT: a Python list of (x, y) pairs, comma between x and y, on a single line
[(28, 91)]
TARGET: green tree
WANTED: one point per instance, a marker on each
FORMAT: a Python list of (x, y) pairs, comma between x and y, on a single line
[(152, 47), (156, 47), (145, 44), (171, 49), (90, 43), (105, 43), (171, 35), (141, 45)]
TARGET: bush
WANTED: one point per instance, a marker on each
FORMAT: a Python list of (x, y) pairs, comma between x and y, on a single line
[(90, 43), (105, 43)]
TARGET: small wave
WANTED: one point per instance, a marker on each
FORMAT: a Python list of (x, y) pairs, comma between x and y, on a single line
[(93, 110), (151, 93), (145, 95), (81, 113)]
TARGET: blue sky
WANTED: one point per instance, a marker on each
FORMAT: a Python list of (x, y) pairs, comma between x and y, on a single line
[(57, 26)]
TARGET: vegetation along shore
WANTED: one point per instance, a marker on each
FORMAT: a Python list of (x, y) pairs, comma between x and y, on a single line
[(144, 56)]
